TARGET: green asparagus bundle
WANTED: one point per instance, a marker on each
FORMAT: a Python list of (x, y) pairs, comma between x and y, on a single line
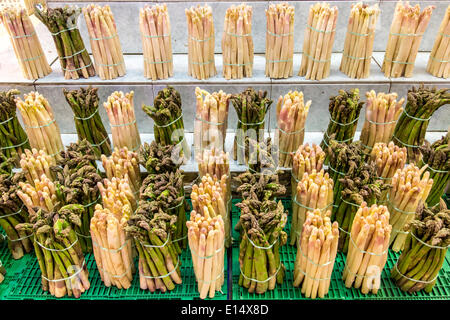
[(12, 213), (89, 125), (168, 117), (6, 164), (437, 156), (344, 114), (412, 125), (157, 158), (73, 56), (251, 107), (166, 192), (13, 139), (426, 247), (63, 267), (262, 156), (159, 262)]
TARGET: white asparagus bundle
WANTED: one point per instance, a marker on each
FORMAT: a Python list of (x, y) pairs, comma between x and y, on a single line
[(120, 110), (112, 250), (382, 113), (201, 42), (29, 5), (213, 162), (407, 29), (40, 195), (116, 194), (318, 42), (25, 42), (123, 163), (105, 43), (35, 163), (291, 117), (154, 24), (211, 120), (316, 253), (358, 45), (439, 60), (206, 237), (40, 124), (410, 189), (280, 41), (237, 42), (388, 159), (314, 191), (368, 249)]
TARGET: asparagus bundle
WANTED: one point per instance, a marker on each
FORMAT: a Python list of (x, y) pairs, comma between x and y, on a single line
[(211, 120), (437, 156), (237, 42), (116, 194), (112, 250), (166, 191), (40, 124), (368, 251), (251, 107), (30, 5), (168, 120), (425, 249), (314, 191), (382, 113), (358, 45), (120, 110), (154, 24), (2, 270), (123, 163), (62, 24), (262, 156), (410, 188), (439, 60), (159, 262), (6, 165), (25, 42), (12, 213), (213, 162), (206, 234), (63, 267), (13, 139), (105, 44), (344, 114), (260, 186), (316, 253), (407, 29), (201, 42), (318, 42), (89, 125), (291, 117), (157, 158), (280, 41), (412, 125), (388, 159)]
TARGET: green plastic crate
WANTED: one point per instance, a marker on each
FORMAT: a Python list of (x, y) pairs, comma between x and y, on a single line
[(286, 291)]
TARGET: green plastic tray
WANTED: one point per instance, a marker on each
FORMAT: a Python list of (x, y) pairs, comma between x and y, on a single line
[(338, 291)]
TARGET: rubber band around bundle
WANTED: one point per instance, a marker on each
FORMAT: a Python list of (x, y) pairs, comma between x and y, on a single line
[(239, 35), (56, 250), (200, 40), (429, 245), (350, 203), (381, 123), (308, 208), (316, 60), (360, 34), (87, 118), (238, 64), (252, 124), (14, 213), (405, 144), (368, 252), (326, 264), (157, 62), (9, 119), (397, 231), (112, 250), (69, 29), (340, 141), (43, 126), (414, 280), (260, 281), (156, 246), (279, 61), (289, 133), (415, 118), (280, 34), (163, 276), (312, 278), (399, 62), (444, 34), (202, 63), (178, 205), (123, 124), (397, 209), (104, 38), (17, 240), (73, 55), (321, 31), (170, 123), (208, 122), (24, 35), (210, 256), (83, 236), (68, 278), (440, 61), (263, 248), (76, 69), (15, 146), (32, 59), (406, 34), (343, 124), (157, 36), (294, 177), (114, 275), (355, 58), (112, 64), (56, 153), (362, 276), (334, 170), (437, 171), (93, 202), (217, 278)]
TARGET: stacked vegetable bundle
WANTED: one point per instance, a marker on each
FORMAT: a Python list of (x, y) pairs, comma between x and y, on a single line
[(407, 29), (237, 42), (213, 162), (412, 125), (425, 249), (358, 45), (291, 117), (13, 139), (28, 50), (251, 107), (367, 253), (280, 41), (62, 24), (34, 164), (154, 24), (344, 114), (40, 124), (168, 117), (105, 44), (437, 156), (201, 40), (382, 113), (316, 253), (211, 120), (318, 42), (120, 110), (439, 60), (157, 158), (410, 188), (89, 125)]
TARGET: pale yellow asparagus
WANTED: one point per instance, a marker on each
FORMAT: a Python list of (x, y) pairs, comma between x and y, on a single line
[(439, 59), (34, 163)]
